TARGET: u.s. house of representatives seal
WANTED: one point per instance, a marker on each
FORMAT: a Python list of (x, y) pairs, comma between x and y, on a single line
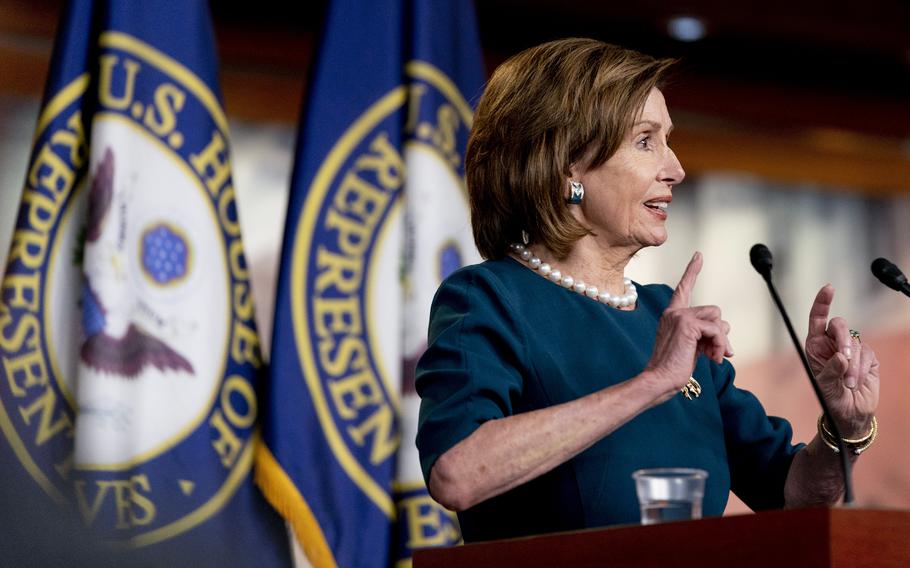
[(385, 219), (126, 325)]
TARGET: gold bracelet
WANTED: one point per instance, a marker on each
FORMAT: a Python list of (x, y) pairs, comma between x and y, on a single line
[(858, 446)]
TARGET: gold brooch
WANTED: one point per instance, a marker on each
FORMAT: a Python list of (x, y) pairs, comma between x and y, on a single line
[(692, 388)]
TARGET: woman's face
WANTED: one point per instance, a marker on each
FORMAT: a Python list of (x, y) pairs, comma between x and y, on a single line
[(627, 197)]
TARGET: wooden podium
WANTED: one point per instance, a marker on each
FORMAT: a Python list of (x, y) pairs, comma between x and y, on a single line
[(803, 538)]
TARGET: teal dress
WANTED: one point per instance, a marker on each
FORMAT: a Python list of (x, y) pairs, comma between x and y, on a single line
[(503, 340)]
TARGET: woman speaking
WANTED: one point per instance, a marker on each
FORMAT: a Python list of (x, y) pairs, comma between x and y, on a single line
[(550, 376)]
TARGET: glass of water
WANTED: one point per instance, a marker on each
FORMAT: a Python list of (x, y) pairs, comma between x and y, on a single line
[(669, 493)]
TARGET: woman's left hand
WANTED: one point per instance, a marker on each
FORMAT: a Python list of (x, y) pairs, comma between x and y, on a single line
[(846, 368)]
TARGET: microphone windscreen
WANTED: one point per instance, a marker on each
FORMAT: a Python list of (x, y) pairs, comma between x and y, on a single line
[(760, 257), (889, 274)]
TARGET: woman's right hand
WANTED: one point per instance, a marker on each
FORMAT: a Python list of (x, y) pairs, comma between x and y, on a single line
[(684, 332)]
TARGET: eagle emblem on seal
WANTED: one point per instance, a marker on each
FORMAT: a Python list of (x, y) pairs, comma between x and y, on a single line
[(113, 342)]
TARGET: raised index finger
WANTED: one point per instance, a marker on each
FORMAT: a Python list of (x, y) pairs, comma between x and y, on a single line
[(682, 295), (818, 314)]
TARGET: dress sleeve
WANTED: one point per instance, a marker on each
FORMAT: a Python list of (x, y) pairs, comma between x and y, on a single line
[(472, 370), (759, 447)]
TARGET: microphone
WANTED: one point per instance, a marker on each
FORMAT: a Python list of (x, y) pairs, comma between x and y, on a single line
[(760, 257), (890, 275)]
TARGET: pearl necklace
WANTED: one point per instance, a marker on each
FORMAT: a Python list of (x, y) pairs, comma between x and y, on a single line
[(566, 281)]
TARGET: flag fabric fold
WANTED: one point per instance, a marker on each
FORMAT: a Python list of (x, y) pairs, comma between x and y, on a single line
[(378, 215), (130, 358)]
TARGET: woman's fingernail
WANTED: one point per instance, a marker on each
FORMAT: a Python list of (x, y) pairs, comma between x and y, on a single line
[(848, 353)]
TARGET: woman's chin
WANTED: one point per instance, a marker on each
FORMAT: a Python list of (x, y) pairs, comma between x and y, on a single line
[(654, 239)]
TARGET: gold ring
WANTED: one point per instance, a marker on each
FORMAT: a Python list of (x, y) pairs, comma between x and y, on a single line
[(855, 335)]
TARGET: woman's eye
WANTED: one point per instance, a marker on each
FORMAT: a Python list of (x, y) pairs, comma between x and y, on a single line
[(644, 143)]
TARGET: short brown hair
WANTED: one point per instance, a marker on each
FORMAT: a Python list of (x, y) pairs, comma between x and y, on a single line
[(570, 101)]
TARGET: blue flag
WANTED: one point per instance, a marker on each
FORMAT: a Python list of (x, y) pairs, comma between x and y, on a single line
[(128, 353), (378, 215)]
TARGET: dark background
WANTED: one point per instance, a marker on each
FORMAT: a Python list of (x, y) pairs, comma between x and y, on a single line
[(832, 63), (801, 92)]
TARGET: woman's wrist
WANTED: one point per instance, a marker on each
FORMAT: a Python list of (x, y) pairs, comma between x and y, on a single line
[(853, 444), (657, 386), (853, 428)]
